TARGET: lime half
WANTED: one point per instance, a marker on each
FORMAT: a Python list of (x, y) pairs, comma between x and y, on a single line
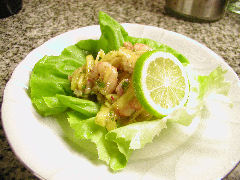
[(160, 82)]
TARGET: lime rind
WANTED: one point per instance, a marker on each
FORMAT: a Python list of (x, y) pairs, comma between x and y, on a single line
[(142, 91)]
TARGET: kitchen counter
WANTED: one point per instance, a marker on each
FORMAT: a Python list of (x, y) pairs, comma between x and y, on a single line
[(41, 20)]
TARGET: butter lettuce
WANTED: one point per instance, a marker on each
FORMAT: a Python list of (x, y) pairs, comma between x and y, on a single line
[(107, 150), (50, 92), (213, 83), (50, 77), (135, 136), (112, 38), (115, 147), (85, 107)]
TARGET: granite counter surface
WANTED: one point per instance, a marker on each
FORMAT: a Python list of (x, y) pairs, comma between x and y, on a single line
[(41, 20)]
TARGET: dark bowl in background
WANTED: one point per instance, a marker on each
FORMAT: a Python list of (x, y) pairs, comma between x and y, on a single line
[(9, 7)]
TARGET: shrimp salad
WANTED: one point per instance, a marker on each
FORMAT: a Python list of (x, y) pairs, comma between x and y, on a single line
[(108, 78), (89, 85)]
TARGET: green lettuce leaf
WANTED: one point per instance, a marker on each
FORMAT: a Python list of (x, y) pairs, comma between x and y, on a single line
[(89, 45), (50, 77), (53, 102), (113, 34), (114, 147), (136, 135), (85, 107), (112, 38), (86, 129), (183, 117), (213, 83), (85, 147)]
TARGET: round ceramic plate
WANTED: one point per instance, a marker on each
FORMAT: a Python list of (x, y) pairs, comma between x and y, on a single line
[(208, 149)]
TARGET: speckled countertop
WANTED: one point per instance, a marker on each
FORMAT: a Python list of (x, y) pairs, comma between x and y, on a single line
[(40, 20)]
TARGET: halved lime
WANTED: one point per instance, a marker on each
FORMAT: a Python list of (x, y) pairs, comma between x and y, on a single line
[(160, 82)]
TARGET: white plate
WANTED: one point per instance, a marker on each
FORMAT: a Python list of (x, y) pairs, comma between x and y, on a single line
[(208, 149)]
